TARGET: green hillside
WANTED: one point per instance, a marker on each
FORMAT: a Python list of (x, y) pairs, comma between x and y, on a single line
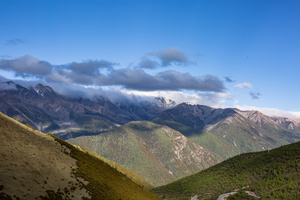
[(205, 139), (270, 175), (155, 152), (34, 165), (249, 136), (133, 176)]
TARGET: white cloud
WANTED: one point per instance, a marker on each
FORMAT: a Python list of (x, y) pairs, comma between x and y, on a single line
[(243, 85), (271, 111), (215, 100)]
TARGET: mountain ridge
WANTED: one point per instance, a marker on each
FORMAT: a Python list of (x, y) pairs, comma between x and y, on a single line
[(45, 110), (245, 131)]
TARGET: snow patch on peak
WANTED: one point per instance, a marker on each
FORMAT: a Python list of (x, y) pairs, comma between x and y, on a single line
[(44, 90), (164, 102)]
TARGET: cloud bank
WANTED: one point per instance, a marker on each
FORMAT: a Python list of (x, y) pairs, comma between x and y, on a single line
[(91, 73), (26, 66)]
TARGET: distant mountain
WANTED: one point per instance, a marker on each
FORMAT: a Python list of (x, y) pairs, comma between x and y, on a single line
[(45, 110), (291, 124), (155, 152), (166, 103), (245, 131), (34, 165), (270, 174)]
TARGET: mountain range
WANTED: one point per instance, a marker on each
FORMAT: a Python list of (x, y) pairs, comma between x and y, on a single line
[(45, 110), (158, 140)]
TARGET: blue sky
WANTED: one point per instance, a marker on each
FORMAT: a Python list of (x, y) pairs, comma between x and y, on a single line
[(233, 53)]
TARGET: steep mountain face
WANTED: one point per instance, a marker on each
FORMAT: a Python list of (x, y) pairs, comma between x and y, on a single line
[(157, 153), (166, 103), (45, 110), (195, 116), (144, 110), (34, 165), (291, 124), (246, 131)]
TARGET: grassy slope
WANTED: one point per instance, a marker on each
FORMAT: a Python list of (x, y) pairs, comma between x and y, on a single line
[(249, 136), (37, 165), (209, 141), (123, 147), (133, 176), (157, 153), (271, 175), (205, 139), (105, 182), (32, 162)]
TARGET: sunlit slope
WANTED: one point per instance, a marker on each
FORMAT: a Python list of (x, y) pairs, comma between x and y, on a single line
[(133, 176), (155, 152), (270, 175), (34, 165)]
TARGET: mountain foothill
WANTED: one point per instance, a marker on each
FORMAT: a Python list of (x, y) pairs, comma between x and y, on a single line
[(87, 144)]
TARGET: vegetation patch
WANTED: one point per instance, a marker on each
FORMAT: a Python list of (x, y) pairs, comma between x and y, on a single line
[(271, 174), (35, 165), (104, 182)]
